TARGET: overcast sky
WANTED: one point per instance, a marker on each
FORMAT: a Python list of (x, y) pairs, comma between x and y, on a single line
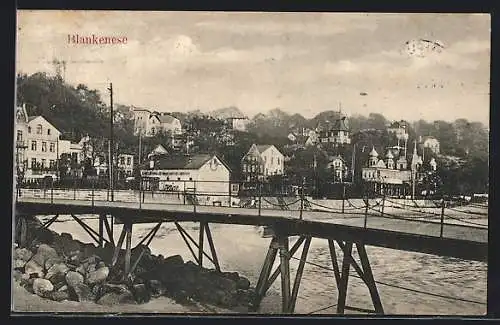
[(301, 62)]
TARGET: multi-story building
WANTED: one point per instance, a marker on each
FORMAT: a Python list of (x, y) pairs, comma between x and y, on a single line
[(40, 142), (203, 177), (400, 129), (337, 134), (239, 123), (126, 164), (150, 123), (262, 161), (159, 122), (338, 168), (430, 142)]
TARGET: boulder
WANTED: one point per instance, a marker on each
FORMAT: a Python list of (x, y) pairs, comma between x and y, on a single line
[(81, 292), (42, 287), (44, 252), (74, 278), (23, 254), (17, 275), (141, 293), (173, 261), (59, 295), (98, 276), (114, 288), (51, 261), (243, 283), (111, 298), (32, 267), (18, 264), (156, 288), (56, 270)]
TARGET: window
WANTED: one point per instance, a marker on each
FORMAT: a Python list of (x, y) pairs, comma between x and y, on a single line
[(178, 178), (190, 178), (48, 131), (19, 135), (39, 129), (29, 129), (33, 163), (52, 163), (272, 158), (278, 161), (122, 160), (52, 146), (33, 145), (44, 146), (129, 161), (43, 163)]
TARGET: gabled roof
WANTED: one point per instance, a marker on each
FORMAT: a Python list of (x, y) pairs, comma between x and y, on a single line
[(341, 124), (183, 161), (32, 118), (373, 153), (263, 147), (166, 118)]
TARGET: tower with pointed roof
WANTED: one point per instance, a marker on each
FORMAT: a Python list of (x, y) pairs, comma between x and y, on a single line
[(373, 158), (389, 159)]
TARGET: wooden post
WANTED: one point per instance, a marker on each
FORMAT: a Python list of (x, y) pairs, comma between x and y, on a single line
[(260, 197), (343, 197), (52, 191), (285, 272), (346, 263), (264, 273), (101, 230), (184, 194), (74, 189), (335, 264), (366, 211), (442, 218), (23, 231), (128, 250), (298, 275), (369, 279), (212, 247), (92, 193), (118, 246), (383, 205), (200, 244)]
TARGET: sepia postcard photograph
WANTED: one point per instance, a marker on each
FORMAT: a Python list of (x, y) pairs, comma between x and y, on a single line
[(251, 163)]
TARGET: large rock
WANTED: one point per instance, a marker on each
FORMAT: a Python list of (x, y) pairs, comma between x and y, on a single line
[(32, 267), (74, 279), (114, 288), (82, 292), (141, 293), (56, 269), (42, 287), (59, 295), (98, 276), (18, 264), (44, 252), (243, 283), (51, 261), (23, 254), (111, 298), (156, 288)]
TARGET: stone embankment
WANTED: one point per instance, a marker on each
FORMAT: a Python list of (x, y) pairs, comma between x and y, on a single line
[(59, 268)]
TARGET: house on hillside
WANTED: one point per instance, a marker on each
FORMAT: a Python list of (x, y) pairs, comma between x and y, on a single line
[(37, 145), (262, 161), (239, 123), (150, 123), (430, 142), (336, 134), (399, 129), (202, 179), (338, 168), (159, 122)]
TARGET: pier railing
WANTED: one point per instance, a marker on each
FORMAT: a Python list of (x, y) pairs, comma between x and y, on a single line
[(228, 195)]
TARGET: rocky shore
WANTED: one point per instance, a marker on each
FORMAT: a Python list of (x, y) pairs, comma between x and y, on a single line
[(59, 268)]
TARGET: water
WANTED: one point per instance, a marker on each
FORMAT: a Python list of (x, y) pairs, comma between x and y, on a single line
[(241, 249)]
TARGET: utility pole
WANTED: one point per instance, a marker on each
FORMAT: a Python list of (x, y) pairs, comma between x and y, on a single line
[(111, 143)]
